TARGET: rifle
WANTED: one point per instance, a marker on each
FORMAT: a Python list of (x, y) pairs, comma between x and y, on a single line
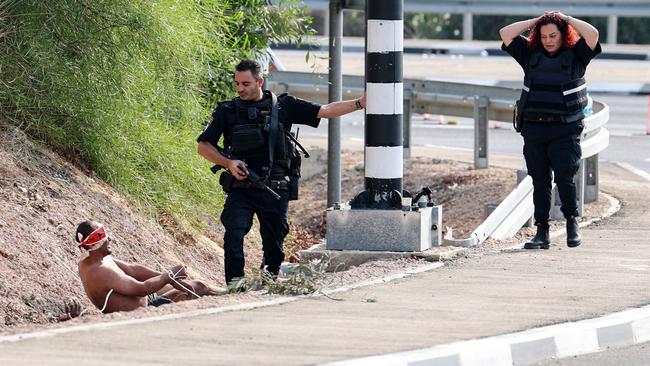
[(251, 177)]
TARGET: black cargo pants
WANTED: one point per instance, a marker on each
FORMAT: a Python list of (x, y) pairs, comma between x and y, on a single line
[(553, 146), (237, 219)]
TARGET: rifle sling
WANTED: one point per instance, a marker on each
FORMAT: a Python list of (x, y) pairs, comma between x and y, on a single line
[(273, 131)]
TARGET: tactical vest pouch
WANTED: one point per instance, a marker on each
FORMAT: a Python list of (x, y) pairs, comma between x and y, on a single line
[(295, 162), (294, 176), (575, 95), (247, 138), (226, 179), (294, 186), (228, 182)]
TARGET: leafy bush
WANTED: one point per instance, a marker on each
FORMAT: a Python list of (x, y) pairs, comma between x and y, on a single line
[(416, 25), (125, 86), (633, 30), (251, 27), (433, 26), (304, 279)]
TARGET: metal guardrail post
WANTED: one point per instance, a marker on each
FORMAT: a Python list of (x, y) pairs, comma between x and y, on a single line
[(521, 175), (481, 132), (334, 94), (591, 179), (406, 115)]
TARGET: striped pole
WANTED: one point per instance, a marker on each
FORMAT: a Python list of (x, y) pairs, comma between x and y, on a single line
[(384, 106)]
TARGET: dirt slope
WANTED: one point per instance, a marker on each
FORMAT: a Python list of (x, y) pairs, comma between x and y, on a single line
[(42, 199)]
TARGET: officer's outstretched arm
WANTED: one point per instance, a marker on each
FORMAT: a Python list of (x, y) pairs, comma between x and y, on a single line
[(337, 109)]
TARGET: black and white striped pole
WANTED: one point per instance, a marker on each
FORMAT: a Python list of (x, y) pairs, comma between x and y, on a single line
[(376, 220), (384, 106)]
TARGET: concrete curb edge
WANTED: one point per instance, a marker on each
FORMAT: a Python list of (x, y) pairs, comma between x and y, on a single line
[(625, 328)]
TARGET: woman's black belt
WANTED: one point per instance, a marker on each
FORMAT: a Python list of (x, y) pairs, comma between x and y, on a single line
[(542, 117)]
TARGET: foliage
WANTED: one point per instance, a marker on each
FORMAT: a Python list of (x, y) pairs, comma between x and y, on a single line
[(433, 26), (304, 279), (354, 23), (416, 25), (633, 30), (251, 26), (121, 85), (486, 27)]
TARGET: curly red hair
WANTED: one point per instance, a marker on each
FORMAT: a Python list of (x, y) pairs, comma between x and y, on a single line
[(569, 36)]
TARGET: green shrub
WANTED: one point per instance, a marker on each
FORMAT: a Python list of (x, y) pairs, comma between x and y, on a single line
[(125, 86)]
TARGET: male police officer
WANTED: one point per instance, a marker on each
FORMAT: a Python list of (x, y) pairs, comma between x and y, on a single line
[(256, 128)]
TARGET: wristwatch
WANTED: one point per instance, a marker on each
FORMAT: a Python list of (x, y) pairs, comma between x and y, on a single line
[(357, 104)]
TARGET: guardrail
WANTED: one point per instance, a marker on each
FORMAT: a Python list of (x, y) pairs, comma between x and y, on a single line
[(483, 103), (510, 7)]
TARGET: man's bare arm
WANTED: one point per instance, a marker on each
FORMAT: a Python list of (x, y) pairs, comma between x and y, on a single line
[(137, 271), (126, 285)]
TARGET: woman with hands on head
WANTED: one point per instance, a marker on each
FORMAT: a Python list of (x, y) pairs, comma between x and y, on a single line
[(554, 58)]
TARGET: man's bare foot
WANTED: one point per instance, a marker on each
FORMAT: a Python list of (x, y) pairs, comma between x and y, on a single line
[(216, 291)]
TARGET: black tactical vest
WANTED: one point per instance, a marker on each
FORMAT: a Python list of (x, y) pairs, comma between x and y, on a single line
[(249, 132), (551, 90)]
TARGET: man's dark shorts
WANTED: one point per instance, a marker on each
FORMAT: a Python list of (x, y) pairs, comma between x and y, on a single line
[(156, 300)]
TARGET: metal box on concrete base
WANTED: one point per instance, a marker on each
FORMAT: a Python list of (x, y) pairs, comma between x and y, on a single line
[(384, 230)]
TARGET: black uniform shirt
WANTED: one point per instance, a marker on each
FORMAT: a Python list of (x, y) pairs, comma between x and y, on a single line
[(519, 50), (291, 111)]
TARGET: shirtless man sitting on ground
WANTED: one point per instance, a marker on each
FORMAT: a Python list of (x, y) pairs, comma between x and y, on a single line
[(113, 285)]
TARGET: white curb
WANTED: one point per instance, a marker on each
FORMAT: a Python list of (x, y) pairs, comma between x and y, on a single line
[(621, 329)]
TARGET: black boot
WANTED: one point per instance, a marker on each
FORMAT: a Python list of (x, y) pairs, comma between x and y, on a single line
[(541, 239), (573, 237)]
